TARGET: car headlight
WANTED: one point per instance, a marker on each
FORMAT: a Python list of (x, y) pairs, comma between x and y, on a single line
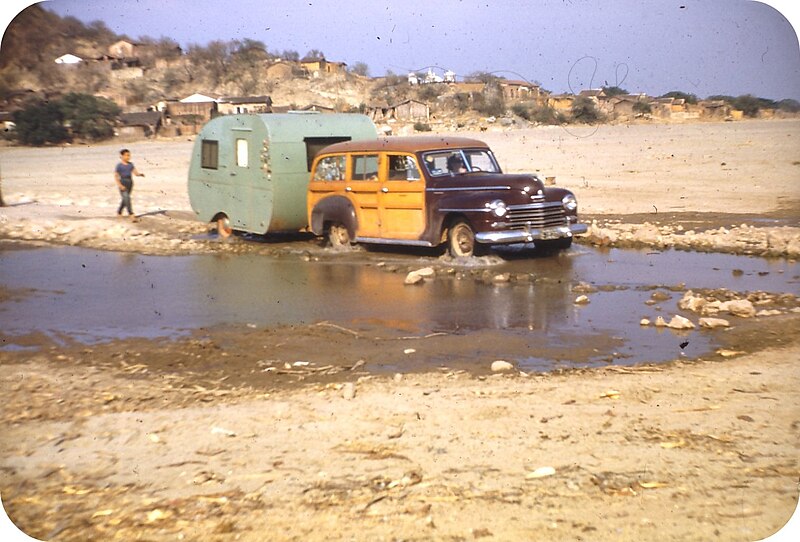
[(569, 202), (498, 207)]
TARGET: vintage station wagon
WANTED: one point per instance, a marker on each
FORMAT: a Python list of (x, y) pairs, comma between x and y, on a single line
[(429, 191)]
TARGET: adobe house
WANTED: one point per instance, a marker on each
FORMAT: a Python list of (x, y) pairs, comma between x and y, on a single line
[(319, 66), (279, 70), (317, 107), (198, 106), (518, 90), (235, 105), (410, 110), (140, 125), (560, 102)]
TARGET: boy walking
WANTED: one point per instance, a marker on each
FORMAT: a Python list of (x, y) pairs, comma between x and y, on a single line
[(123, 175)]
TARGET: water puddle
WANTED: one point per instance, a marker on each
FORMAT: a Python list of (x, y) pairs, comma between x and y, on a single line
[(93, 296)]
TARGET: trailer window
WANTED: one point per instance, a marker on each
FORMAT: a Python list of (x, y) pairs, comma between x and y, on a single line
[(241, 152), (209, 154), (316, 144)]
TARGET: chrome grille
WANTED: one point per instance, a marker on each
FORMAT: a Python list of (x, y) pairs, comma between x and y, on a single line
[(537, 215)]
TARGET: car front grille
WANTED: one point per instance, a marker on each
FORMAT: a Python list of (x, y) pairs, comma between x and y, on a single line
[(536, 215)]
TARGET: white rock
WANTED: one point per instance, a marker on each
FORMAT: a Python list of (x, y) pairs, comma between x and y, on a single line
[(679, 322), (581, 300), (413, 278), (660, 322), (739, 307), (644, 322), (712, 323), (541, 472), (425, 272), (500, 366), (349, 390), (772, 312)]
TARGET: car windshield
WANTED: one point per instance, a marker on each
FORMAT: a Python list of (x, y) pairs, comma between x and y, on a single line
[(459, 161)]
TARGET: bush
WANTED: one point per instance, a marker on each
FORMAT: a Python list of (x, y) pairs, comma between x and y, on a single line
[(45, 122), (422, 127), (91, 118), (40, 123), (643, 108), (539, 115), (585, 111)]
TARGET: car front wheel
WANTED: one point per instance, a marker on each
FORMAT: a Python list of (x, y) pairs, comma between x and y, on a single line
[(461, 240)]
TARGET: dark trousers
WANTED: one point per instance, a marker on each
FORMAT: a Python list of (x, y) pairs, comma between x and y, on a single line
[(126, 199)]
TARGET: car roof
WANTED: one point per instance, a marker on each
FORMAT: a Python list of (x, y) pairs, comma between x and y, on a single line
[(404, 144)]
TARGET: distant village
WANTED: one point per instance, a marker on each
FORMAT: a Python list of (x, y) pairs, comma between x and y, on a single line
[(126, 62)]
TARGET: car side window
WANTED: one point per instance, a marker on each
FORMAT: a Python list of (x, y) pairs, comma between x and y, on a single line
[(403, 168), (365, 167), (330, 168)]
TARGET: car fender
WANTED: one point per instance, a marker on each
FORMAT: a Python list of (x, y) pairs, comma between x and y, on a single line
[(334, 209)]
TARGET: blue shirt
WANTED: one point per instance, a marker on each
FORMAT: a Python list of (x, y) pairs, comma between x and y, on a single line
[(125, 171)]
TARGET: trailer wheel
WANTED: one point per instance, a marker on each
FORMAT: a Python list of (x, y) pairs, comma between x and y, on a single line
[(224, 228), (338, 236), (461, 240)]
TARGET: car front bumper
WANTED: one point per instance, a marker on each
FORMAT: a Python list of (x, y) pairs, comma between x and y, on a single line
[(529, 235)]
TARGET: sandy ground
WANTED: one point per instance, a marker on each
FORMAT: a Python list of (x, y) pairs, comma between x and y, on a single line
[(137, 440)]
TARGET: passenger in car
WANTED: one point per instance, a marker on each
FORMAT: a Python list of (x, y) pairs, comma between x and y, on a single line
[(455, 164)]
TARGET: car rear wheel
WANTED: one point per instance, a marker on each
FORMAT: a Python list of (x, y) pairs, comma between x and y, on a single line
[(338, 236), (224, 228), (461, 240)]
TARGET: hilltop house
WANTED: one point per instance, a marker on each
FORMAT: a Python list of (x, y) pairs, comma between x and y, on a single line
[(518, 90), (320, 66)]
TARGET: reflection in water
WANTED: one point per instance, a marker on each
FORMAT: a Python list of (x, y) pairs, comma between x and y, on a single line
[(94, 296)]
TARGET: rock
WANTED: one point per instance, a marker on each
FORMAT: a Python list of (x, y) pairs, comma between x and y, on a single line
[(679, 322), (541, 472), (426, 272), (772, 312), (660, 296), (584, 288), (644, 322), (581, 300), (501, 278), (348, 391), (713, 323), (409, 351), (691, 302), (222, 431), (739, 307), (500, 366), (413, 278), (660, 322)]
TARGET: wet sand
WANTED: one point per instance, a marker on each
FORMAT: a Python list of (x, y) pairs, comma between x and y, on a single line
[(203, 439)]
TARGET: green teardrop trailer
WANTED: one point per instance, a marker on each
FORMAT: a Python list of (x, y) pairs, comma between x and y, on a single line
[(250, 172)]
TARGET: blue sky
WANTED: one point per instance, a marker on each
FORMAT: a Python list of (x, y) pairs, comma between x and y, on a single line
[(654, 46)]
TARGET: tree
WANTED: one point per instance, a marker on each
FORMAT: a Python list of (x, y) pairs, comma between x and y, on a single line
[(40, 123), (678, 95), (360, 68), (315, 54), (289, 55), (614, 91), (90, 117), (789, 105), (643, 108)]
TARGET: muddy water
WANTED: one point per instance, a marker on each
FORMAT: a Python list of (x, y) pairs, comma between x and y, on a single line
[(94, 296)]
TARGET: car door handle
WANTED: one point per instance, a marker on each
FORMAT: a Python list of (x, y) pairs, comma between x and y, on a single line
[(385, 190)]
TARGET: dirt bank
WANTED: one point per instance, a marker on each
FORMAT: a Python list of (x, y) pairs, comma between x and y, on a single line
[(127, 441)]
